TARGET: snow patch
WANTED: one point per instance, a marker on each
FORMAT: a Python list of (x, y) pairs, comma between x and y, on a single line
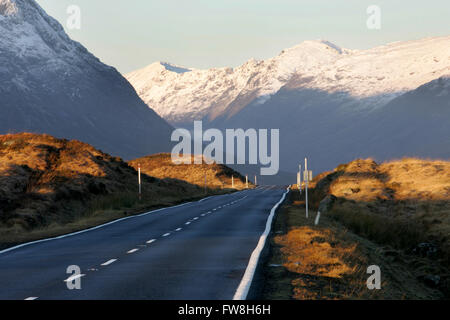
[(8, 8)]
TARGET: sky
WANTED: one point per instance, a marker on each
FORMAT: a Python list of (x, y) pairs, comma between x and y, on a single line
[(132, 34)]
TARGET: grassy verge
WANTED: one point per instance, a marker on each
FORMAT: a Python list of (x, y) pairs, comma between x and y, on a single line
[(330, 262)]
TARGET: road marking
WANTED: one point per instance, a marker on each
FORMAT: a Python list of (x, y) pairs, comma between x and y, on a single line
[(214, 209), (74, 277), (107, 263), (132, 251), (247, 279), (179, 229), (209, 212), (91, 229), (151, 241), (196, 218), (205, 198), (203, 214), (31, 298), (166, 234), (187, 223)]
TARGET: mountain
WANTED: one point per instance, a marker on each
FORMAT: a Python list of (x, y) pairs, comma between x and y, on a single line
[(51, 84), (330, 104)]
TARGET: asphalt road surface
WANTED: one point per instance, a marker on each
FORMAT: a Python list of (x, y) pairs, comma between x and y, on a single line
[(199, 250)]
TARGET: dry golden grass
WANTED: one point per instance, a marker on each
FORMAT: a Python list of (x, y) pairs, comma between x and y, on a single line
[(217, 176), (330, 262), (309, 251), (401, 203), (406, 179)]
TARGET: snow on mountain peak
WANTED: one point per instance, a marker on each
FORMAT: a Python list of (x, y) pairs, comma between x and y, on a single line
[(376, 75), (7, 8)]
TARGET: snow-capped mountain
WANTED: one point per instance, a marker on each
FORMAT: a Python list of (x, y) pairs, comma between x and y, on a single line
[(330, 104), (51, 84), (374, 77)]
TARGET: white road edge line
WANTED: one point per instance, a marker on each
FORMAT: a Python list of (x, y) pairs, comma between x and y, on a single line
[(90, 229), (31, 298), (244, 286), (206, 198), (132, 251), (107, 263)]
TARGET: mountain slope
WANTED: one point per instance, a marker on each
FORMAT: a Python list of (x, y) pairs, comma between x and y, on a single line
[(373, 77), (330, 104), (51, 84)]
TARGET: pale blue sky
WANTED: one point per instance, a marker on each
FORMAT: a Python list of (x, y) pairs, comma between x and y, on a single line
[(214, 33)]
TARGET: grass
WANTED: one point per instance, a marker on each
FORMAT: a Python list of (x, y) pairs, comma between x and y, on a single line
[(401, 204), (330, 262)]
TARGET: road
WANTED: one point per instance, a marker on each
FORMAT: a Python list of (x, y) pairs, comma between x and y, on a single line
[(198, 250)]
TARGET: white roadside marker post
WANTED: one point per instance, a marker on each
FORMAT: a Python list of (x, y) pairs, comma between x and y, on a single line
[(316, 222), (246, 181), (232, 182), (139, 181), (306, 178), (300, 178), (256, 181)]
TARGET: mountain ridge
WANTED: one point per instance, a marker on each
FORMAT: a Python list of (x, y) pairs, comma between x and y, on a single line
[(378, 75)]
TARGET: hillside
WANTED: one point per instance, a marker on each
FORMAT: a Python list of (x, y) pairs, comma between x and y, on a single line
[(413, 194), (404, 204), (51, 186), (52, 84), (217, 176), (395, 215)]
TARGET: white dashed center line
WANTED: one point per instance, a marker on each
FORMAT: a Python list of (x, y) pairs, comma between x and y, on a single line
[(187, 223), (132, 251), (179, 229), (31, 298), (151, 241), (74, 277), (196, 218), (107, 263), (203, 214), (166, 234)]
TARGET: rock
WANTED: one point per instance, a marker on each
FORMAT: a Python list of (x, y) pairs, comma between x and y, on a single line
[(327, 203)]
